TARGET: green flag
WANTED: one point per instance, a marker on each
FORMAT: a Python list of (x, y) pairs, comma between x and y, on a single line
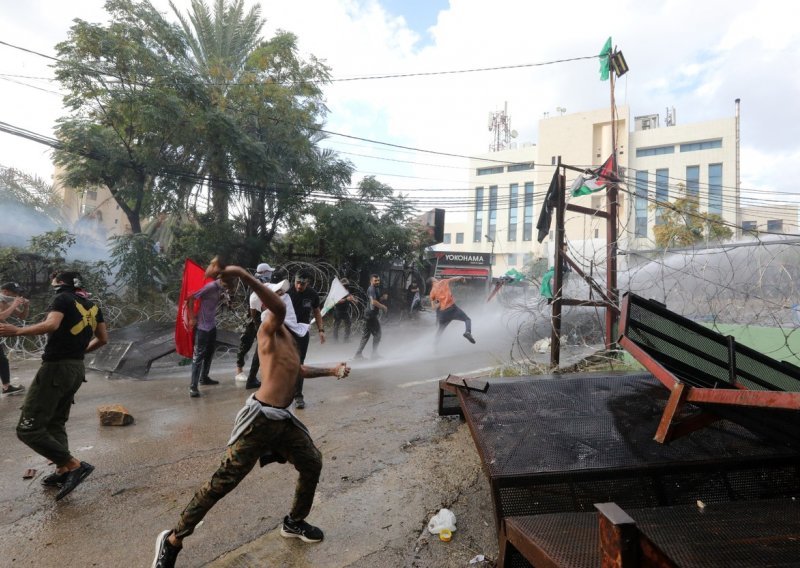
[(604, 56)]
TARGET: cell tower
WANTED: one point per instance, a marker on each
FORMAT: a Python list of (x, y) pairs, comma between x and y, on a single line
[(500, 127)]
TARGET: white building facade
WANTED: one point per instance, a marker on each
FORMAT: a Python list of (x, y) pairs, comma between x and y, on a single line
[(658, 163)]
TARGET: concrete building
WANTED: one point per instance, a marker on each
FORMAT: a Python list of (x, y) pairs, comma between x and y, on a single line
[(780, 218), (656, 163), (92, 211)]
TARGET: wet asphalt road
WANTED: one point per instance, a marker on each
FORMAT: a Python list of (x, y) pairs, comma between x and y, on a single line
[(378, 431)]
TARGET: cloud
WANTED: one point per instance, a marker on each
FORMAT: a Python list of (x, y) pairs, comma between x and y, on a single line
[(697, 60)]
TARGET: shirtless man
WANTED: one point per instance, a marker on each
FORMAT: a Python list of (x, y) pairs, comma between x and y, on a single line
[(264, 430)]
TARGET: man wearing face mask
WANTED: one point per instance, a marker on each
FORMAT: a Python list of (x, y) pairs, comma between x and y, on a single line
[(264, 275), (75, 326), (305, 301)]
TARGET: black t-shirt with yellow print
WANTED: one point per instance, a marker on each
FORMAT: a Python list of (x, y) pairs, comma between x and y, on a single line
[(70, 340)]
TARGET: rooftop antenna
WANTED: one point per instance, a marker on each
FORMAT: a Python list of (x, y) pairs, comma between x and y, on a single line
[(500, 127)]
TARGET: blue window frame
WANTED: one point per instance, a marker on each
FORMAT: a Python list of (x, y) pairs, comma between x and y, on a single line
[(655, 151), (715, 188), (513, 211), (477, 227), (492, 228), (527, 219), (520, 167), (662, 192), (489, 171), (693, 181), (640, 225), (702, 145)]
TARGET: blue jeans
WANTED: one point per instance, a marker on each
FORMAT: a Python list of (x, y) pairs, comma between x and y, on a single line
[(204, 344)]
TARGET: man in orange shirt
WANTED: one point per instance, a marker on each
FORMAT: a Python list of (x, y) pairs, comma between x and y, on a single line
[(445, 305)]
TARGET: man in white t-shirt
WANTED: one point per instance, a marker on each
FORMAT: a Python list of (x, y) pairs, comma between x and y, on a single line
[(290, 321), (263, 274)]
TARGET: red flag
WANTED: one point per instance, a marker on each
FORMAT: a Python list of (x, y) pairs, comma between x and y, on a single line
[(194, 278)]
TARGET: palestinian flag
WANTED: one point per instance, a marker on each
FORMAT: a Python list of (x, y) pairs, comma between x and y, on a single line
[(605, 57), (592, 181)]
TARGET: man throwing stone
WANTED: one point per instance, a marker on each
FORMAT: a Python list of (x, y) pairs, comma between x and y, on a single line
[(264, 430)]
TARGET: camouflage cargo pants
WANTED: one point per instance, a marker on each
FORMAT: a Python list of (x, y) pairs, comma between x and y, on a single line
[(282, 437)]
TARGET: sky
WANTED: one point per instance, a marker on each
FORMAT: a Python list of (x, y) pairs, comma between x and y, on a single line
[(697, 60)]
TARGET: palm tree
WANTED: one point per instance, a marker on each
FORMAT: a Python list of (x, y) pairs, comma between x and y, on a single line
[(220, 43)]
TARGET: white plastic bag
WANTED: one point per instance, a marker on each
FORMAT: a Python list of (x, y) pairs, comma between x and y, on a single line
[(444, 519)]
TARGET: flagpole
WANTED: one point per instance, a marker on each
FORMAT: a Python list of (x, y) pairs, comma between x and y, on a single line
[(612, 197)]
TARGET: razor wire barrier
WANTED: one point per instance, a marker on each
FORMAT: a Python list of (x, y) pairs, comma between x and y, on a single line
[(749, 288)]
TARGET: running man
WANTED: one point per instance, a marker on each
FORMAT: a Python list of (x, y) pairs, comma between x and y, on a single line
[(264, 430), (445, 305), (74, 326)]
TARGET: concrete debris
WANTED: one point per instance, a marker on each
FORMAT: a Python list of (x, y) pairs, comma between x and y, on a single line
[(114, 415)]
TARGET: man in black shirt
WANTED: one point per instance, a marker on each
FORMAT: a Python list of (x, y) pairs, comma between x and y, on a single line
[(372, 326), (75, 327), (305, 301)]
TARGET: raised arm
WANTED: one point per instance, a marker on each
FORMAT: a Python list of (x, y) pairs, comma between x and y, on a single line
[(12, 309), (270, 299)]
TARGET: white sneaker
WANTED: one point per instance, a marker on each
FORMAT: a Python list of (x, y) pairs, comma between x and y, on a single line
[(241, 378)]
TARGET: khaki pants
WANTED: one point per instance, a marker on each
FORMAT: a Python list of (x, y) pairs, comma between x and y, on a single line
[(42, 424), (282, 437)]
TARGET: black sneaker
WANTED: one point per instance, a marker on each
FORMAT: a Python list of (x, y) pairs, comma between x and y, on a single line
[(13, 389), (252, 385), (301, 530), (469, 337), (208, 381), (55, 479), (74, 478), (193, 392), (299, 402), (165, 552)]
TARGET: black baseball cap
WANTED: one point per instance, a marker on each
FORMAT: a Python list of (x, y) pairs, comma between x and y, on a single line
[(12, 287)]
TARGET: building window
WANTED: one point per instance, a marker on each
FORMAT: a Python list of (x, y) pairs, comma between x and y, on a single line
[(597, 233), (116, 221), (527, 218), (715, 189), (692, 181), (640, 227), (477, 227), (459, 238), (520, 167), (512, 259), (654, 151), (91, 195), (662, 193), (99, 216), (446, 239), (775, 225), (513, 212), (749, 226), (492, 224), (704, 145), (489, 171), (527, 258)]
